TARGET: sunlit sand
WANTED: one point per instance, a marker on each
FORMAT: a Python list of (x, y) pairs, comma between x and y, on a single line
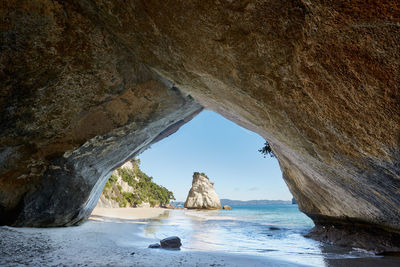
[(102, 214)]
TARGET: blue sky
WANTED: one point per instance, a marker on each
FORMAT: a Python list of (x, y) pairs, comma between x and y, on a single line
[(226, 152)]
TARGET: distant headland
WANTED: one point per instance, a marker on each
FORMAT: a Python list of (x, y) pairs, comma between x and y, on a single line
[(231, 202)]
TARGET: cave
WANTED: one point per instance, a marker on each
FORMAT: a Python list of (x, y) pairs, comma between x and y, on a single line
[(88, 85)]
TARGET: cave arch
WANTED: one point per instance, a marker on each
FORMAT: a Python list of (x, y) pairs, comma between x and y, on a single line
[(83, 80)]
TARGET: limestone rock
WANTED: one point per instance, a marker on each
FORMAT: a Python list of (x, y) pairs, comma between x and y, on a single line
[(105, 202), (108, 201), (226, 207), (202, 194)]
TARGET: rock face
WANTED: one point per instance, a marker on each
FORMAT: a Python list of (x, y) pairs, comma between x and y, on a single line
[(129, 186), (105, 201), (202, 194), (86, 85), (75, 104)]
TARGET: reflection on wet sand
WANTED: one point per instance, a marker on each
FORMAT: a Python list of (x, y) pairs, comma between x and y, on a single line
[(154, 225), (208, 231), (197, 233)]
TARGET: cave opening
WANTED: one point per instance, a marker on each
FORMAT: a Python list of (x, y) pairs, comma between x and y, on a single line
[(246, 180), (224, 151)]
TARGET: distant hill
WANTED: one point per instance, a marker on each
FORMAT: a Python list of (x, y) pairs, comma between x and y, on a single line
[(177, 203), (231, 202)]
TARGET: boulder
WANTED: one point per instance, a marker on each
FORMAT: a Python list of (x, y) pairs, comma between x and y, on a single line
[(226, 207), (202, 194), (172, 242)]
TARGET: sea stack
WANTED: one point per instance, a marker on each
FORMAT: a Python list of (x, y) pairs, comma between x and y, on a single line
[(202, 194)]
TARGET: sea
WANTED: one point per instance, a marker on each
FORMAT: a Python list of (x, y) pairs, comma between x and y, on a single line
[(273, 231)]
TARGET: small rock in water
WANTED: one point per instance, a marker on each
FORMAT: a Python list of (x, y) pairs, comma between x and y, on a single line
[(226, 207), (171, 242), (273, 228), (133, 253), (155, 245)]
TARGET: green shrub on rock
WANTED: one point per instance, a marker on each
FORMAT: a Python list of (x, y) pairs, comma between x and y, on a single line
[(145, 190)]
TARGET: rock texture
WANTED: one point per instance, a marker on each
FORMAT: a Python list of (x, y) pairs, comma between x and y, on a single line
[(202, 194), (75, 104), (86, 85)]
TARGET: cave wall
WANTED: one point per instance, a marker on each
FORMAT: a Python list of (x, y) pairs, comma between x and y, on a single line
[(318, 79), (75, 105)]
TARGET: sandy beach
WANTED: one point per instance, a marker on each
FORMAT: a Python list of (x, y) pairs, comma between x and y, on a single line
[(120, 237), (114, 214), (112, 237)]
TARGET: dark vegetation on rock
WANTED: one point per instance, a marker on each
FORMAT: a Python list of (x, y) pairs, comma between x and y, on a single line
[(200, 173), (267, 150)]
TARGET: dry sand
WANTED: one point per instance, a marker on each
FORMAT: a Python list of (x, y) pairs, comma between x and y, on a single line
[(108, 214)]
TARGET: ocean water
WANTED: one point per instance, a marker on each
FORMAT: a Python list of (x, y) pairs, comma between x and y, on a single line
[(272, 230)]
